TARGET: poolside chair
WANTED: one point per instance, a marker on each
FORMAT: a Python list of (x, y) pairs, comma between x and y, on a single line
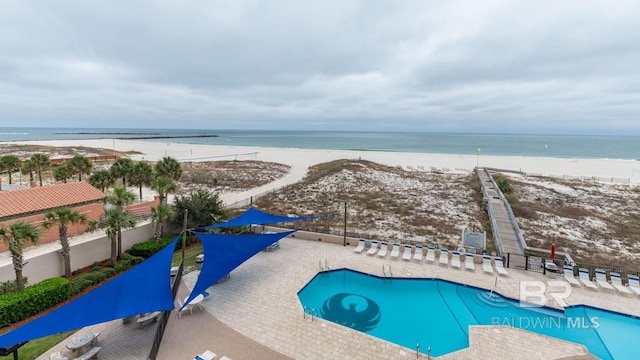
[(568, 275), (373, 249), (207, 355), (406, 255), (360, 246), (634, 284), (417, 255), (395, 250), (616, 281), (584, 278), (469, 263), (486, 264), (180, 309), (601, 279), (384, 246), (431, 254), (455, 259), (444, 257), (500, 266)]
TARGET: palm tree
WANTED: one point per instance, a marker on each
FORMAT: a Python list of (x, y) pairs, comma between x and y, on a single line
[(62, 173), (61, 218), (121, 168), (80, 165), (117, 219), (141, 175), (28, 168), (163, 185), (40, 162), (16, 236), (161, 213), (169, 167), (120, 197), (101, 179), (10, 163)]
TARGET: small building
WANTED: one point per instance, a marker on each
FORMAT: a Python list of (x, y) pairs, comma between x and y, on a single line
[(32, 204)]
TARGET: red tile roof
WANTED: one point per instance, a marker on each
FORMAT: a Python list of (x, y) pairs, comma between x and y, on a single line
[(42, 198)]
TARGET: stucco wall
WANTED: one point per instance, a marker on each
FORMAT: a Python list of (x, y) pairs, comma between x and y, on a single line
[(45, 261)]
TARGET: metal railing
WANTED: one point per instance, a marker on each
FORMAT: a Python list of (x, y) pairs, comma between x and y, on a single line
[(164, 318)]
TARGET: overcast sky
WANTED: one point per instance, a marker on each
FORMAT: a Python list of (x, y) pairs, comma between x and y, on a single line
[(454, 66)]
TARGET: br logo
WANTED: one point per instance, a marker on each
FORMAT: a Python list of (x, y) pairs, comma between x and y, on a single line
[(532, 293)]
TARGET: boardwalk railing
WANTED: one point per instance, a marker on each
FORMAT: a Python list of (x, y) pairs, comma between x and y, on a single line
[(494, 225)]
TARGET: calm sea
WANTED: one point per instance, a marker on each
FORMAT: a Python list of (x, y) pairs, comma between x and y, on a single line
[(560, 146)]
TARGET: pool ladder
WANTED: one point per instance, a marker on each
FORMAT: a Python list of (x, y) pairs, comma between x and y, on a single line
[(389, 275), (324, 266), (309, 311), (418, 351)]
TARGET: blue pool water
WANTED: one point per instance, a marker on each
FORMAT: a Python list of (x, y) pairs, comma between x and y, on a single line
[(437, 313)]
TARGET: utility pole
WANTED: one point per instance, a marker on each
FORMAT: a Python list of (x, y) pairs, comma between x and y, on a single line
[(184, 232)]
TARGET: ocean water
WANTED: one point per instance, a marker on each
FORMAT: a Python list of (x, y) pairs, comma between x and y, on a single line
[(557, 146)]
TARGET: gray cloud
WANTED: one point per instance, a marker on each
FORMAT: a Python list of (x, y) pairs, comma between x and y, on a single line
[(490, 66)]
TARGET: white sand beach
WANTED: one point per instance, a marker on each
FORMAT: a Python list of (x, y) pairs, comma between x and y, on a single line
[(607, 170)]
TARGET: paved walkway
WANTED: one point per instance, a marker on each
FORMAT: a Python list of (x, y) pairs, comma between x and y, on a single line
[(256, 313)]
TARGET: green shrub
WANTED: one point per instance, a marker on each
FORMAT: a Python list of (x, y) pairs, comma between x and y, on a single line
[(149, 248), (20, 305), (10, 286), (122, 265)]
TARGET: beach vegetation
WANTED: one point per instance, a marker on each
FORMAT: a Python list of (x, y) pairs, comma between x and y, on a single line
[(121, 169), (10, 164), (16, 236), (120, 197), (141, 175), (101, 179), (503, 183), (62, 218), (169, 167), (204, 208)]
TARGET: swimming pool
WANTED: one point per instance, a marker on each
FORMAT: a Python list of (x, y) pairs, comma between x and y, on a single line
[(437, 313)]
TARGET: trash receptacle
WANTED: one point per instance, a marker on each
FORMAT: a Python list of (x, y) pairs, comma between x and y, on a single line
[(199, 261)]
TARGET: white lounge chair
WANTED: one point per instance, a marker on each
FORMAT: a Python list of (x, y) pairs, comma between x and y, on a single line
[(406, 255), (584, 278), (634, 284), (468, 262), (360, 246), (395, 250), (455, 259), (384, 246), (486, 264), (616, 281), (601, 279), (500, 266), (444, 257), (207, 355), (373, 249), (568, 275), (417, 255), (431, 254)]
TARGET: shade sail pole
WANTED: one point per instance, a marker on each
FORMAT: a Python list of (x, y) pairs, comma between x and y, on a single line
[(184, 232)]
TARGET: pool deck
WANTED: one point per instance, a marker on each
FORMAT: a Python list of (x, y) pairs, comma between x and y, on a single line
[(260, 301), (256, 314)]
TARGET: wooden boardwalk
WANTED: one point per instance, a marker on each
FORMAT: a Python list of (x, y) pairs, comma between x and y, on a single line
[(505, 232)]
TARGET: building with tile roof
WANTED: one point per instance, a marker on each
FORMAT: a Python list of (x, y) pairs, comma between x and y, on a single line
[(32, 204)]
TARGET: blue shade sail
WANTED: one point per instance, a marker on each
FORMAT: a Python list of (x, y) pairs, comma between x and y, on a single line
[(256, 217), (223, 253), (144, 288)]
